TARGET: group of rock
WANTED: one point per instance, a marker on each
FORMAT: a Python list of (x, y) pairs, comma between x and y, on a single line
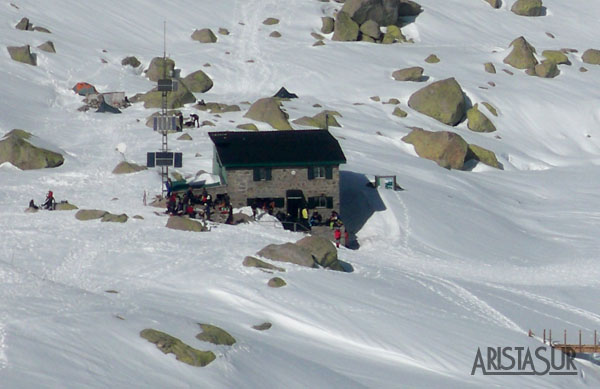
[(376, 21), (23, 53)]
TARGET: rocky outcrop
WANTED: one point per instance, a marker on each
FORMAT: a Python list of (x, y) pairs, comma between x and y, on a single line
[(171, 345), (522, 55), (478, 122), (399, 112), (22, 54), (442, 100), (268, 110), (214, 107), (445, 148), (187, 137), (23, 150), (64, 206), (125, 167), (184, 224), (156, 70), (528, 8), (204, 35), (494, 3), (198, 82), (432, 58), (24, 25), (414, 73)]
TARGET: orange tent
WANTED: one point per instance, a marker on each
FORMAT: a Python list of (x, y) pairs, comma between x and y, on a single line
[(84, 88)]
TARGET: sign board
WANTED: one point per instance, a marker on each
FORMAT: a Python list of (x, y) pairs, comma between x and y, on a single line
[(387, 182), (164, 158), (165, 123)]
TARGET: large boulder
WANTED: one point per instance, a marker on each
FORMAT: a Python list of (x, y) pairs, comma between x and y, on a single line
[(171, 345), (371, 28), (268, 110), (24, 25), (447, 149), (215, 335), (176, 99), (383, 12), (323, 250), (288, 252), (184, 224), (204, 35), (494, 3), (156, 70), (483, 155), (414, 73), (556, 56), (125, 167), (522, 55), (345, 29), (276, 282), (547, 69), (198, 82), (591, 56), (22, 54), (478, 122), (393, 34), (327, 24), (528, 7), (442, 100), (23, 150)]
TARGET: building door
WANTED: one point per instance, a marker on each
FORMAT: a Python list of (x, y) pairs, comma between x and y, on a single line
[(295, 200)]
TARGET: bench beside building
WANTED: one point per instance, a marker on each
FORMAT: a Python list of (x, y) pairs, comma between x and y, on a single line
[(289, 168)]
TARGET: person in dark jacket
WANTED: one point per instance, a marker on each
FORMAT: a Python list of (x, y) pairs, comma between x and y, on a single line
[(49, 203)]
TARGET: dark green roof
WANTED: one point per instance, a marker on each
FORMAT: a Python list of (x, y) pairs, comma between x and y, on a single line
[(277, 148)]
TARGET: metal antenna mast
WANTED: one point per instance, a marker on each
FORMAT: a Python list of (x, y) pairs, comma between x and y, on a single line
[(165, 147)]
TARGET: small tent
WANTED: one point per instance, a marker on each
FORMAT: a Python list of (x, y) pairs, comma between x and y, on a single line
[(84, 89), (105, 107), (284, 94)]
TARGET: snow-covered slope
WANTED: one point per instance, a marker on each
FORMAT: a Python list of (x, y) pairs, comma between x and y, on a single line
[(456, 261)]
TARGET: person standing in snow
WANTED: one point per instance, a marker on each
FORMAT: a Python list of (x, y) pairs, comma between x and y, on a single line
[(337, 235), (49, 203)]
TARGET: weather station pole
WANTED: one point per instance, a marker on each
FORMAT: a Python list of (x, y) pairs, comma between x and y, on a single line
[(164, 123)]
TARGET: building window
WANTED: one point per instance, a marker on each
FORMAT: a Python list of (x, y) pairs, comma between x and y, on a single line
[(262, 174), (320, 172), (320, 202)]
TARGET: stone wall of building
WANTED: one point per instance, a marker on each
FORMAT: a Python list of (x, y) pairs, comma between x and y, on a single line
[(241, 185)]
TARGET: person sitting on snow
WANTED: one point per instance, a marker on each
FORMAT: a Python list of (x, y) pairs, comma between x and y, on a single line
[(49, 203)]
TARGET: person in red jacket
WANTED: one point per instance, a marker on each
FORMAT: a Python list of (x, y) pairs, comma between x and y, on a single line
[(337, 234)]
